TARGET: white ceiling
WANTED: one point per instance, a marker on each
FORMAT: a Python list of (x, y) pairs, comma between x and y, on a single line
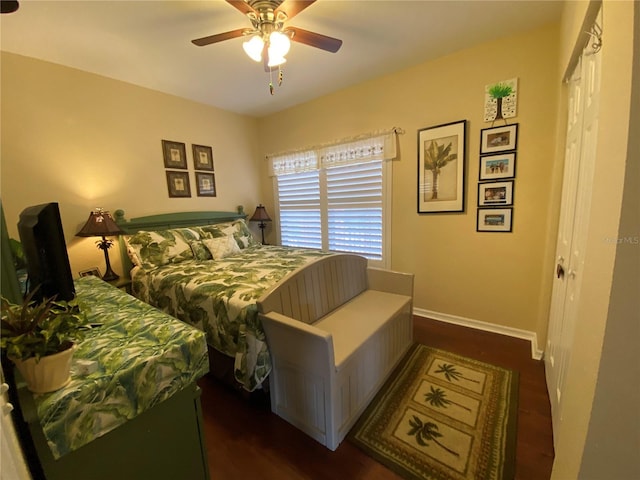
[(148, 43)]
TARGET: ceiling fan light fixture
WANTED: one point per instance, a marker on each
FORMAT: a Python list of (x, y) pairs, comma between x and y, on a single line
[(253, 48), (279, 44), (276, 61)]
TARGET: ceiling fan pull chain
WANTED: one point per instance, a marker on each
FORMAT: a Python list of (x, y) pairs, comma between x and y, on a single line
[(270, 82), (280, 75)]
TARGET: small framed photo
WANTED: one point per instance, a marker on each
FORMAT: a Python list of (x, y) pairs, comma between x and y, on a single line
[(495, 193), (206, 184), (94, 272), (175, 154), (202, 157), (441, 168), (499, 139), (493, 167), (495, 220), (178, 184)]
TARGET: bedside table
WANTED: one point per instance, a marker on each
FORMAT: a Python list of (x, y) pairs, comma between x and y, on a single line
[(122, 283)]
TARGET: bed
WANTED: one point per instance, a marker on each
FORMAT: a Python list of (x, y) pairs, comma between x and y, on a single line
[(206, 269)]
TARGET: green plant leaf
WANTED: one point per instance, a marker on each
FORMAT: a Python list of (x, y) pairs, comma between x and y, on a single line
[(36, 329), (500, 90)]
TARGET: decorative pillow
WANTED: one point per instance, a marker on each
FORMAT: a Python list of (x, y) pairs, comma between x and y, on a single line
[(189, 234), (200, 251), (154, 249), (210, 231), (131, 252), (221, 247), (237, 228), (243, 235)]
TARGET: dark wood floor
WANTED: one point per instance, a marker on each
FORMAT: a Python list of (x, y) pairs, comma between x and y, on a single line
[(245, 440)]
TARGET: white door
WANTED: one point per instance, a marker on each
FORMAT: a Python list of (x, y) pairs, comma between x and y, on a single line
[(580, 152)]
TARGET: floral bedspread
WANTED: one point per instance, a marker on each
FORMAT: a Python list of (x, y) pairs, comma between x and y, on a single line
[(141, 357), (219, 297)]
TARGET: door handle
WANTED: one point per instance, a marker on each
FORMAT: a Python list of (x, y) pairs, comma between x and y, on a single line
[(559, 271)]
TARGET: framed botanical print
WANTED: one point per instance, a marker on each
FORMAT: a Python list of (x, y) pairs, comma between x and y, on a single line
[(202, 157), (441, 168), (178, 184), (206, 184), (174, 154)]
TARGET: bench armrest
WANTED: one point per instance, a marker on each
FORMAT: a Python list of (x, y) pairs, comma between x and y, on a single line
[(389, 281), (298, 343)]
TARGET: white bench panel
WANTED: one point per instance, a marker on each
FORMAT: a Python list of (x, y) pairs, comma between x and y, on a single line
[(358, 320), (335, 330)]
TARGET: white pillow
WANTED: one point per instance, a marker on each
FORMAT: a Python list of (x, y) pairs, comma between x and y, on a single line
[(221, 247)]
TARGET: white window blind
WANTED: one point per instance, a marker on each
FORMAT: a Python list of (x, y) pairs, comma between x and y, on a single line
[(354, 209), (299, 209), (334, 196)]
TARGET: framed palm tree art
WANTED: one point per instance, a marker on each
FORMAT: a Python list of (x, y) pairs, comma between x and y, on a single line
[(441, 168)]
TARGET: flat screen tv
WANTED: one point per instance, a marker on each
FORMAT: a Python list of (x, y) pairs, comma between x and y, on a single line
[(45, 251)]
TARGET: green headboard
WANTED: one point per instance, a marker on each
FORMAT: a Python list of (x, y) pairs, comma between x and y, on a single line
[(168, 220)]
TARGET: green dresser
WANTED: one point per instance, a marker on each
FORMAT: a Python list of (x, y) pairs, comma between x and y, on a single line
[(132, 408)]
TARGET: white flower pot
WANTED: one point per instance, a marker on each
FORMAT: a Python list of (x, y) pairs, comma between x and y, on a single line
[(50, 373)]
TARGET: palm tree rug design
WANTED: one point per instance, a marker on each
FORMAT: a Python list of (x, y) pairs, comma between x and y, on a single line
[(443, 416)]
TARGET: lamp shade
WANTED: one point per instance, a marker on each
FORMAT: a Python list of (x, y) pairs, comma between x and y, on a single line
[(260, 215), (100, 224)]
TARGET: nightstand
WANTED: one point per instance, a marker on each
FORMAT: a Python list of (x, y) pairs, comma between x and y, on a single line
[(122, 283)]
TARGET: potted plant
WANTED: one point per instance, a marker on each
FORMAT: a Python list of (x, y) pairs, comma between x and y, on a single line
[(40, 337)]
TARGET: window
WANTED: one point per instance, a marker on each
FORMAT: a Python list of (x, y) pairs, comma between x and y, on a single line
[(354, 209), (336, 201), (299, 210)]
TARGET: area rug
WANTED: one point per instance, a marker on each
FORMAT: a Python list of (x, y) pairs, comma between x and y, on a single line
[(443, 416)]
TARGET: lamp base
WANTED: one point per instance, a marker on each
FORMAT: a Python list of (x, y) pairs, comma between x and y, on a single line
[(262, 226), (109, 274)]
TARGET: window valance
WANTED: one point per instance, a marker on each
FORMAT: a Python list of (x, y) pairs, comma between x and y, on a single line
[(369, 147)]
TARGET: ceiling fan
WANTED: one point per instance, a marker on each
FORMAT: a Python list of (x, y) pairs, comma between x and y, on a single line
[(9, 6), (269, 39)]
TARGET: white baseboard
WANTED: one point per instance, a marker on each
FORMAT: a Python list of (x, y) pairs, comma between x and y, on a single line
[(536, 353)]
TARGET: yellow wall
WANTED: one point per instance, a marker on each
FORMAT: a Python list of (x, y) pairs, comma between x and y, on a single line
[(500, 278), (87, 141), (605, 306)]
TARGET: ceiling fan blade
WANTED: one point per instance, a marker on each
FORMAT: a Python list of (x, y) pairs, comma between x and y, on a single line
[(313, 39), (201, 42), (9, 6), (241, 5), (293, 7)]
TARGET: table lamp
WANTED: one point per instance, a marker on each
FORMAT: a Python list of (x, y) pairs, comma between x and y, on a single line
[(261, 215), (101, 224)]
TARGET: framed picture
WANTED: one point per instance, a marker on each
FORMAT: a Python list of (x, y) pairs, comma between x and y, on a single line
[(206, 184), (494, 220), (175, 154), (493, 167), (441, 168), (91, 272), (178, 184), (499, 139), (202, 157), (495, 193)]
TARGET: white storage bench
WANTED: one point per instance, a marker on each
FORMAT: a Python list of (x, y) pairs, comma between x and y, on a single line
[(335, 331)]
